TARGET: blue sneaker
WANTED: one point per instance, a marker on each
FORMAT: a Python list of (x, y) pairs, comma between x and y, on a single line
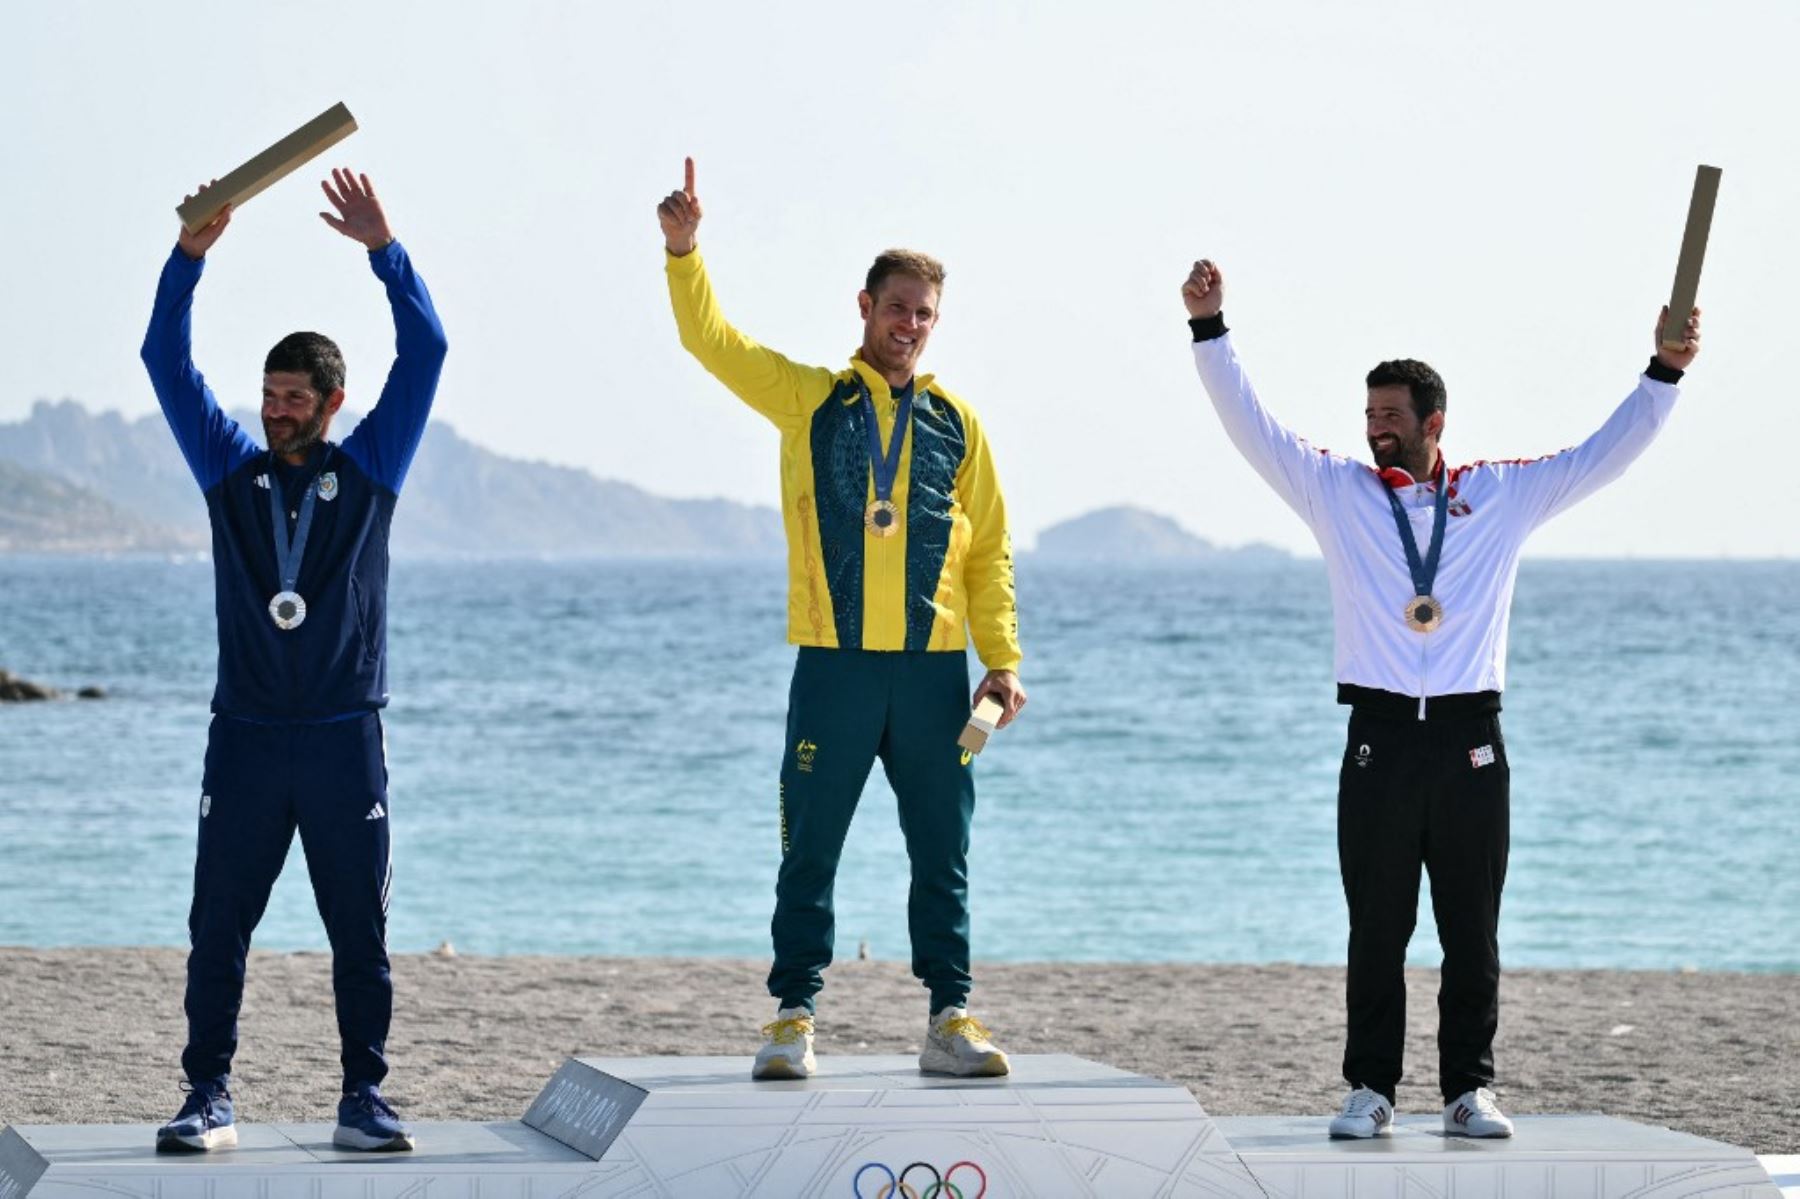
[(365, 1121), (205, 1122)]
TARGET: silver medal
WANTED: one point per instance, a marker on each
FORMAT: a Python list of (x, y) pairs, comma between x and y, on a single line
[(287, 610)]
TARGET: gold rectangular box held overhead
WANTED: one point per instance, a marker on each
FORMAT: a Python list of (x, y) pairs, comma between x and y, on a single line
[(283, 158), (1693, 253)]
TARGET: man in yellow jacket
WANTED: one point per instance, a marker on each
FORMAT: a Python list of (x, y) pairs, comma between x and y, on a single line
[(898, 556)]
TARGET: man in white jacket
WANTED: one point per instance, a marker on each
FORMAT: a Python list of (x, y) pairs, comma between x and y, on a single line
[(1421, 558)]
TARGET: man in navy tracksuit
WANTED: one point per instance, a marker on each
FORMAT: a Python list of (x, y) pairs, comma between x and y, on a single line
[(300, 566)]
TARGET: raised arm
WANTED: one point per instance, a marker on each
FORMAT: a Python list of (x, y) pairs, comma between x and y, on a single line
[(1288, 463), (1550, 485), (778, 388), (386, 440), (212, 443)]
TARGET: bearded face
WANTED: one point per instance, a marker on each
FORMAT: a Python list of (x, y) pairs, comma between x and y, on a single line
[(1397, 437), (293, 413)]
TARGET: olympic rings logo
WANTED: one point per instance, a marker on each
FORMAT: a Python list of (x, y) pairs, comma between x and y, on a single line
[(940, 1186)]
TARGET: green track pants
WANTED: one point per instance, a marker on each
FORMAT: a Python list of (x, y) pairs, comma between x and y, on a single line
[(845, 709)]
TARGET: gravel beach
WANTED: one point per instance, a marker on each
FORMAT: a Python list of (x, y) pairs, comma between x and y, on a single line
[(94, 1035)]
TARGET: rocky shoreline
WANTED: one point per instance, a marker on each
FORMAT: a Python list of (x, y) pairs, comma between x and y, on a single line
[(15, 690)]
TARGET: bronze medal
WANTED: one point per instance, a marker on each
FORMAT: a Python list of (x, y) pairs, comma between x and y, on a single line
[(1423, 614)]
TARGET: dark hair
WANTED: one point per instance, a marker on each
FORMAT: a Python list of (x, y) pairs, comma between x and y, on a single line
[(1425, 385), (312, 354), (922, 267)]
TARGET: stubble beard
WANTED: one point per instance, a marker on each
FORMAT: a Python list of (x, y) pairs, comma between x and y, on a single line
[(1405, 454), (310, 432)]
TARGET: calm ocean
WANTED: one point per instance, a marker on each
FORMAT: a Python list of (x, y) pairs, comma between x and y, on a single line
[(584, 757)]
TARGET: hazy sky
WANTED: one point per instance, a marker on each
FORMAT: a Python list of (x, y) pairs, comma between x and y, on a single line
[(1497, 189)]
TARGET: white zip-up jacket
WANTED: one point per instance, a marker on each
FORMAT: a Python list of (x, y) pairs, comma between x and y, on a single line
[(1494, 507)]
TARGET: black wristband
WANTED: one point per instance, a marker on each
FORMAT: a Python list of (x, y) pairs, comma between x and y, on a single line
[(1661, 373), (1205, 328)]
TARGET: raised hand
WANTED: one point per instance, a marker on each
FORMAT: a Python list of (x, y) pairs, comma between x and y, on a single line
[(359, 215), (1204, 291), (1683, 358), (680, 217), (195, 245)]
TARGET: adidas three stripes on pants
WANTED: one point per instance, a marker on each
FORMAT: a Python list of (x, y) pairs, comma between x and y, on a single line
[(262, 782)]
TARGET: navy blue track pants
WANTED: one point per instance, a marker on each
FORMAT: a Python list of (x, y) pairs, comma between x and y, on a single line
[(262, 782)]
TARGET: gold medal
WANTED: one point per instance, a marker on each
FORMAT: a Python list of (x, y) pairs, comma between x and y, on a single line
[(881, 518), (1423, 614)]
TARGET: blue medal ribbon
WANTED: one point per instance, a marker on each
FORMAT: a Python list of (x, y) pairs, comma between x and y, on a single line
[(289, 554), (885, 463), (1424, 573)]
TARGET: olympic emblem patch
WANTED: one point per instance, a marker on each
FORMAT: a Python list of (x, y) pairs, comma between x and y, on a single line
[(941, 1186), (328, 488)]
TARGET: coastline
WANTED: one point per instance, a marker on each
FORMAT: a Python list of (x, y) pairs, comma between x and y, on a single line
[(94, 1035)]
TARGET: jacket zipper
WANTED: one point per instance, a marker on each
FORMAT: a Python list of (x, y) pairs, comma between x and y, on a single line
[(1424, 641)]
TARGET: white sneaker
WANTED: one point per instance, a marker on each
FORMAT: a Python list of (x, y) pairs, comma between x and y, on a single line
[(956, 1043), (1366, 1114), (789, 1052), (1476, 1114)]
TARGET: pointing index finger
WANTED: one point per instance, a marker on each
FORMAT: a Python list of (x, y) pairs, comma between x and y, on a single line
[(688, 184)]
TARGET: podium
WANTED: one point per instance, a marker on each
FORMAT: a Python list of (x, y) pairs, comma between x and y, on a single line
[(1059, 1127)]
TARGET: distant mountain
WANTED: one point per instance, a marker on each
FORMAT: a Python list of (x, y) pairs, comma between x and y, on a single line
[(43, 513), (1126, 534), (461, 500), (134, 464)]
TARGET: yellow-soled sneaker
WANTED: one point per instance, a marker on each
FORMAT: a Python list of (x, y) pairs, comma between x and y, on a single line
[(789, 1051), (957, 1043)]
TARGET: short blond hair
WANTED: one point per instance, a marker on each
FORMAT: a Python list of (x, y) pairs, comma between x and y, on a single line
[(912, 263)]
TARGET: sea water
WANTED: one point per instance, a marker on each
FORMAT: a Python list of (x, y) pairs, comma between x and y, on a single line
[(584, 759)]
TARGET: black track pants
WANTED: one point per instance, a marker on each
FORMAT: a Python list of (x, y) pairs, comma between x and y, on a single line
[(1431, 792)]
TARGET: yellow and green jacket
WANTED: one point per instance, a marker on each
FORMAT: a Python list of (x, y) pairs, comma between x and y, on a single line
[(950, 566)]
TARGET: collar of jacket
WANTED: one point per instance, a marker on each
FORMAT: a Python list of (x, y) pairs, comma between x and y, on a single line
[(878, 384), (1399, 478)]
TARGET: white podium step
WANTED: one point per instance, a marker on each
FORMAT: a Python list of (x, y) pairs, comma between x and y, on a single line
[(873, 1128), (1567, 1157), (1057, 1126)]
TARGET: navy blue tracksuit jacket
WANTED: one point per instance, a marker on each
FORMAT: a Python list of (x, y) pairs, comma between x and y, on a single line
[(296, 739)]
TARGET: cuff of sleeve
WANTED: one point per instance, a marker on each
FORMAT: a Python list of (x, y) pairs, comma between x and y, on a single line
[(1662, 374), (685, 264), (1206, 328), (1003, 663), (387, 259), (178, 256)]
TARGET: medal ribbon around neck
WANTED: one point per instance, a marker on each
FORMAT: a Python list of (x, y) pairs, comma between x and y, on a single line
[(288, 555), (882, 519), (1423, 612)]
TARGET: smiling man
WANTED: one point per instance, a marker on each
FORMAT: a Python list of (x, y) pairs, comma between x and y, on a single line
[(300, 566), (898, 557), (1421, 559)]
